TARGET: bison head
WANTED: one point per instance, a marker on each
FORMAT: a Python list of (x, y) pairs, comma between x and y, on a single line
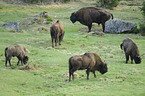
[(137, 59), (103, 68), (73, 17), (25, 59)]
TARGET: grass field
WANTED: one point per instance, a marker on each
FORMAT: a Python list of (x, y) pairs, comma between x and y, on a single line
[(48, 75)]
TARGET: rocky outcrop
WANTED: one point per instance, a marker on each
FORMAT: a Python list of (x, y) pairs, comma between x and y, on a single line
[(119, 26), (14, 25)]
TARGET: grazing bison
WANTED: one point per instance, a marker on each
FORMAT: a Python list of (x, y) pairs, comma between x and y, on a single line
[(18, 51), (89, 15), (57, 33), (89, 61), (131, 49)]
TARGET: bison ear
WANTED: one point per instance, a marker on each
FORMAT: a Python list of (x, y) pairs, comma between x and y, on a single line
[(74, 14)]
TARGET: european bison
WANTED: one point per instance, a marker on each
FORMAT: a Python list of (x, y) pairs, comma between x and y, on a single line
[(131, 49), (89, 15), (57, 33), (18, 51), (89, 61)]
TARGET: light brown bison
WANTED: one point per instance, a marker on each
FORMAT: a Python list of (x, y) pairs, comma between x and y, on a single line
[(89, 61), (57, 33), (89, 15), (131, 49), (18, 51)]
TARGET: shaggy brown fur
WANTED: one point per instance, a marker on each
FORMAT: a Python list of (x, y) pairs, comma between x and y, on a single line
[(89, 15), (89, 61), (57, 33), (18, 51), (131, 49)]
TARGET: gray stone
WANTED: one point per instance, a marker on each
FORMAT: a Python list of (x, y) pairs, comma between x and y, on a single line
[(119, 26), (14, 25)]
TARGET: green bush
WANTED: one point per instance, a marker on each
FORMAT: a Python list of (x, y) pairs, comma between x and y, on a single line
[(142, 28), (143, 8), (142, 25), (110, 4)]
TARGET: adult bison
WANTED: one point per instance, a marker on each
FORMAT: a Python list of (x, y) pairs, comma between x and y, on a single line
[(89, 61), (18, 51), (57, 33), (89, 15), (131, 49)]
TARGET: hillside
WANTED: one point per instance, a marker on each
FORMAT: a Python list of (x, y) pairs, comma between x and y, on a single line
[(47, 74)]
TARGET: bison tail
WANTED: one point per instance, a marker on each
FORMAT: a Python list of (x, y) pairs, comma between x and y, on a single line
[(121, 46), (112, 16), (6, 51)]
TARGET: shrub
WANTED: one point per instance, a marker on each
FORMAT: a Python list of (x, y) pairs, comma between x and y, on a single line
[(142, 28), (142, 25), (143, 9), (110, 4)]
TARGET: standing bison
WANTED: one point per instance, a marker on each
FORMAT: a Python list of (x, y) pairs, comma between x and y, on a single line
[(89, 15), (89, 61), (131, 49), (57, 33), (18, 51)]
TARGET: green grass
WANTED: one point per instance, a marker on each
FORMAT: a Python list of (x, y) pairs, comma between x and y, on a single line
[(49, 77)]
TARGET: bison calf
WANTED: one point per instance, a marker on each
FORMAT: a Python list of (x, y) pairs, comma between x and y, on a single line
[(131, 49), (89, 61), (89, 15), (57, 33), (18, 51)]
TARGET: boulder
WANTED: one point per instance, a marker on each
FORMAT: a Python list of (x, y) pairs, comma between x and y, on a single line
[(14, 25), (119, 26)]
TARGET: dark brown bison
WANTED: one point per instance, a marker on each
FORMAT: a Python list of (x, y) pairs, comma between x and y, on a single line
[(57, 33), (89, 61), (89, 15), (18, 51), (131, 49)]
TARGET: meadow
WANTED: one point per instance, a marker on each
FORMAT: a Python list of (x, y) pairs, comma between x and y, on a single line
[(48, 75)]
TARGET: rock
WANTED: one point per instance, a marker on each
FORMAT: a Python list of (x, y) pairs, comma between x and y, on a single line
[(42, 14), (97, 33), (14, 25), (119, 26)]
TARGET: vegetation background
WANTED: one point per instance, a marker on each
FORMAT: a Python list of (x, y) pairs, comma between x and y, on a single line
[(47, 73)]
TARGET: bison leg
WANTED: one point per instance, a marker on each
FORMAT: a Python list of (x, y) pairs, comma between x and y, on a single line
[(18, 62), (60, 38), (56, 41), (89, 27), (94, 74), (72, 72), (6, 62), (53, 42), (103, 26), (127, 58), (22, 62), (131, 59), (88, 71), (10, 62), (70, 76)]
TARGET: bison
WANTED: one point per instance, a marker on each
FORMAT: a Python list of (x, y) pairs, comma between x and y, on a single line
[(18, 51), (89, 15), (57, 33), (131, 49), (89, 61)]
